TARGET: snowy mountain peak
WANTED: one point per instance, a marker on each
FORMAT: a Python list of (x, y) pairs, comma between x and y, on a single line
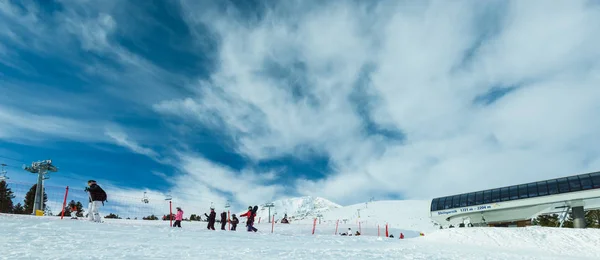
[(297, 208)]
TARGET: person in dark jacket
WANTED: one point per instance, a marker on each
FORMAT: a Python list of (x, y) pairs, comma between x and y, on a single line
[(234, 222), (97, 196), (211, 219), (223, 220)]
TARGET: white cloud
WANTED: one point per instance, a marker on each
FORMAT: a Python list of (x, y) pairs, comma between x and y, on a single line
[(285, 85), (22, 126), (543, 129), (120, 138), (219, 183)]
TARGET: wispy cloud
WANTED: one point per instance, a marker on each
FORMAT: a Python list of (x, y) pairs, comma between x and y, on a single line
[(284, 82), (294, 80), (122, 139)]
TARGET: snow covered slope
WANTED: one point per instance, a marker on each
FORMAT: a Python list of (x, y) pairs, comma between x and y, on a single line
[(29, 237), (297, 208), (401, 214)]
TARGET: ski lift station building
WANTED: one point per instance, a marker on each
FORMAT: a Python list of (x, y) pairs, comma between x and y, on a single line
[(516, 205)]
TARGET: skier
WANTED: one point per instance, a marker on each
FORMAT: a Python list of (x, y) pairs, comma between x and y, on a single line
[(178, 217), (223, 220), (234, 222), (211, 219), (97, 195)]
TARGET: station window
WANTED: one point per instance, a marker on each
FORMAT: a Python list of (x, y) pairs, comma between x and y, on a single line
[(586, 182), (523, 191), (440, 204), (448, 203), (563, 185), (471, 199), (504, 195), (542, 187), (456, 201), (434, 204), (514, 192), (574, 183), (463, 200), (487, 196), (595, 179), (552, 187), (479, 198), (532, 190), (495, 195)]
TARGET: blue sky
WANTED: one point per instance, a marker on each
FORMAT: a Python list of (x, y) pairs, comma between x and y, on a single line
[(257, 100)]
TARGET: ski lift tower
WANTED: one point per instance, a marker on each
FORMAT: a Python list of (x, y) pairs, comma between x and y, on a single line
[(42, 168), (269, 205), (3, 173), (169, 198)]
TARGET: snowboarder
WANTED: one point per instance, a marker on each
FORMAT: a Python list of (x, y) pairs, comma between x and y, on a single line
[(223, 220), (234, 222), (251, 214), (97, 195), (178, 217), (247, 214), (211, 219)]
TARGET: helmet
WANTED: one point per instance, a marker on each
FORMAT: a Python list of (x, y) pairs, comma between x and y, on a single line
[(91, 181)]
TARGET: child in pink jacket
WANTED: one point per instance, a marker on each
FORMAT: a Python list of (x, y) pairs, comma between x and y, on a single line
[(178, 217)]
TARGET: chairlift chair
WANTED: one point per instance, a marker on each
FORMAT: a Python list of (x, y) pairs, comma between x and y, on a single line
[(145, 198)]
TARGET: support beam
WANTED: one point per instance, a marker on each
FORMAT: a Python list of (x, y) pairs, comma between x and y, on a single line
[(38, 203), (269, 205), (578, 217)]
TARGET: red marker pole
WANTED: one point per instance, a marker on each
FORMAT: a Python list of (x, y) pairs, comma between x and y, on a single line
[(258, 220), (336, 226), (171, 213), (228, 221), (273, 224), (314, 226), (378, 234), (386, 230), (64, 203)]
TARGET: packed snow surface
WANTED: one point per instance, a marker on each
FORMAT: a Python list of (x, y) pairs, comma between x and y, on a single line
[(29, 237)]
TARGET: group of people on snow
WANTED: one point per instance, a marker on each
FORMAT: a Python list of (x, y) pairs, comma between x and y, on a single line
[(97, 196), (250, 215), (349, 233)]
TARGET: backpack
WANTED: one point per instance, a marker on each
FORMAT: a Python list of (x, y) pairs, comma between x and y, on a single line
[(102, 195), (254, 210)]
